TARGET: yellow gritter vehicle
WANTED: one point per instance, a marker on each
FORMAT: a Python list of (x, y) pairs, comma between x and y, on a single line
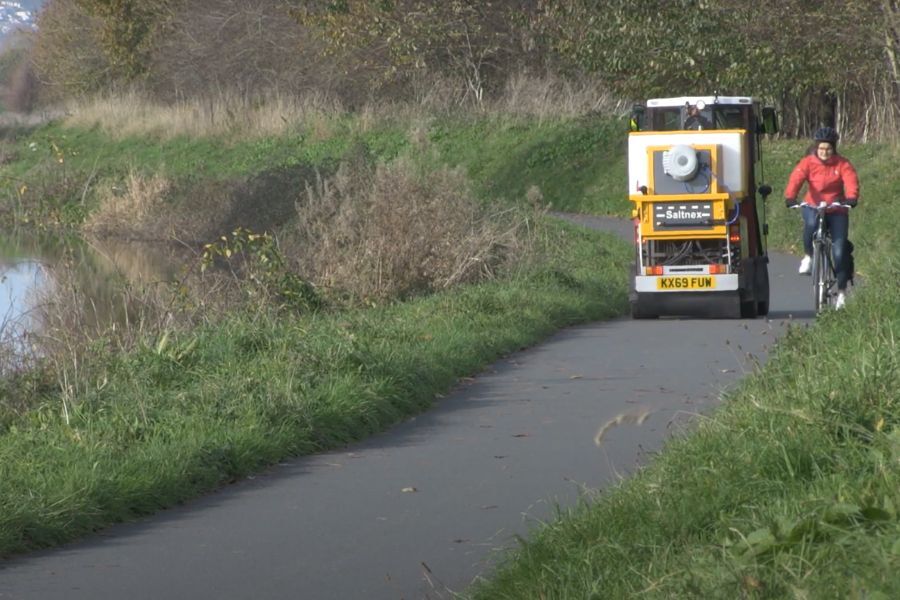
[(699, 230)]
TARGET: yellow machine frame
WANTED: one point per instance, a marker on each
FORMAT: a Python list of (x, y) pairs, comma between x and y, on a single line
[(722, 202)]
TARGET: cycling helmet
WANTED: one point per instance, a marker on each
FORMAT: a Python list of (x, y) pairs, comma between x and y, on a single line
[(826, 134)]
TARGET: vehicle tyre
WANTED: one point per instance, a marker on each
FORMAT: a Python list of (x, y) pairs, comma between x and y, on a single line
[(749, 309), (637, 312), (640, 310), (762, 295), (747, 297)]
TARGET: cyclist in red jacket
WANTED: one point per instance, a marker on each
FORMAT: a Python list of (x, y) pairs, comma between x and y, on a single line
[(830, 178)]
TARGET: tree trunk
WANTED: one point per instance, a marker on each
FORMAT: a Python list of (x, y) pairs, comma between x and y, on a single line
[(892, 40)]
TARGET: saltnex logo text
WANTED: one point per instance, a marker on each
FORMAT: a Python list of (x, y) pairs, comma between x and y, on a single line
[(688, 214)]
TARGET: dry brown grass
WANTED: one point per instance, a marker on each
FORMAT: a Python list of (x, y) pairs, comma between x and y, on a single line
[(132, 114), (552, 96), (16, 352), (130, 210), (393, 232), (153, 208), (235, 115), (19, 371)]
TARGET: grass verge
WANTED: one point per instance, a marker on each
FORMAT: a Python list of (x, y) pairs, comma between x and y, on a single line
[(184, 414), (791, 489), (56, 173)]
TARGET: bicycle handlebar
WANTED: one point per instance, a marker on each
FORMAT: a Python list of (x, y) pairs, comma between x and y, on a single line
[(822, 205)]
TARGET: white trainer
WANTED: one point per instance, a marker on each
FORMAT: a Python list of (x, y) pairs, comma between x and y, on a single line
[(806, 265), (840, 301)]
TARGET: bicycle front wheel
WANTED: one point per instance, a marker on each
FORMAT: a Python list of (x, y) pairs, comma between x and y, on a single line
[(820, 277)]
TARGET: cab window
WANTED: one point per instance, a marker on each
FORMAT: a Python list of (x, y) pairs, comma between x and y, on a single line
[(728, 117), (665, 119)]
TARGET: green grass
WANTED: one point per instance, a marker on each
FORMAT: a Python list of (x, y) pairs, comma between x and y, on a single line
[(86, 150), (575, 164), (791, 489), (578, 165), (173, 419)]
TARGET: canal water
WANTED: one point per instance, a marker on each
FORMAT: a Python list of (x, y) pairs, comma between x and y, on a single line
[(20, 278), (94, 274)]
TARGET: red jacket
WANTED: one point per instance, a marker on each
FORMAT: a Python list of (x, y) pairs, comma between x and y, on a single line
[(828, 180)]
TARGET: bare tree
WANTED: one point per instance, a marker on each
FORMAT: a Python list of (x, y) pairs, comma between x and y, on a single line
[(233, 45)]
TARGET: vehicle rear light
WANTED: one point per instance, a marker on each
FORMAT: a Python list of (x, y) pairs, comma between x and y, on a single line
[(657, 270), (718, 269), (735, 235)]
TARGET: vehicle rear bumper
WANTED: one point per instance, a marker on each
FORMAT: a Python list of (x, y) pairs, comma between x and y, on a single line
[(715, 305)]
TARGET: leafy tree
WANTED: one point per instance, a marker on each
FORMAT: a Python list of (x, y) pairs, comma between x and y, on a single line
[(67, 58), (805, 55), (128, 30)]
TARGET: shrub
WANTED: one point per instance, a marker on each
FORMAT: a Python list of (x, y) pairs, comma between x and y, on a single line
[(391, 232), (259, 272)]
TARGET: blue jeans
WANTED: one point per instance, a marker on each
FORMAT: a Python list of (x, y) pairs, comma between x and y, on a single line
[(839, 226)]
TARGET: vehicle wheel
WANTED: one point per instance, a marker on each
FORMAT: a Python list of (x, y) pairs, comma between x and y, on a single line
[(748, 297), (762, 292), (638, 312), (749, 309)]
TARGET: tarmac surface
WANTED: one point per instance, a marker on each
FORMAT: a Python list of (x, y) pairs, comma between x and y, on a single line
[(423, 509)]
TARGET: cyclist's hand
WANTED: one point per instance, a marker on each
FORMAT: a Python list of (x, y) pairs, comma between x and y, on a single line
[(790, 202), (851, 202)]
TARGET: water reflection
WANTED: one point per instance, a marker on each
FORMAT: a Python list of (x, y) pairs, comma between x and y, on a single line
[(18, 279), (37, 270)]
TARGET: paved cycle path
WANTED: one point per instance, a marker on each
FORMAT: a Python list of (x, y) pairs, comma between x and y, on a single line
[(422, 509)]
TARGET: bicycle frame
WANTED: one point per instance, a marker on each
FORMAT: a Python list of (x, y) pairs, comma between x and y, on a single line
[(823, 277)]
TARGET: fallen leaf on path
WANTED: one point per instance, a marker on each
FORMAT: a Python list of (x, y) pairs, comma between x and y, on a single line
[(632, 418)]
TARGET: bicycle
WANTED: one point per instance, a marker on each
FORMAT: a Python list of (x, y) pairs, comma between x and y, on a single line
[(823, 276)]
